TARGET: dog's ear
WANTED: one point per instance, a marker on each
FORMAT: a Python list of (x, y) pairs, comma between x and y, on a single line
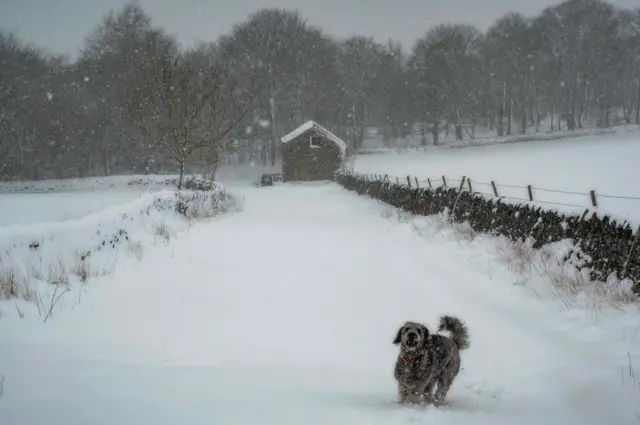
[(398, 336), (425, 332)]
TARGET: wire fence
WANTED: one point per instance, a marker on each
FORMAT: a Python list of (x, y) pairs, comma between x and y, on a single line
[(492, 189)]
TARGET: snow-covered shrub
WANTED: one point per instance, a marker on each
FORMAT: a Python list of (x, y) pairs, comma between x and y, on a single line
[(39, 256), (199, 183)]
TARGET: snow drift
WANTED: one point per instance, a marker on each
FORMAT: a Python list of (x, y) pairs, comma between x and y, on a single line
[(37, 258)]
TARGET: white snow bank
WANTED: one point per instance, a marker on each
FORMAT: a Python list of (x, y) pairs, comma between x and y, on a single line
[(30, 202), (146, 181), (36, 258), (30, 208)]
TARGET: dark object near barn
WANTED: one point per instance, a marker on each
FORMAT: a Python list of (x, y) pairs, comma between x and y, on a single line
[(311, 152), (269, 179)]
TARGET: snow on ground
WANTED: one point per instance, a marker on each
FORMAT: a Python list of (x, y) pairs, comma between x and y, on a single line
[(30, 202), (31, 208), (284, 313), (145, 181), (245, 174), (50, 201), (40, 260), (374, 142), (605, 164)]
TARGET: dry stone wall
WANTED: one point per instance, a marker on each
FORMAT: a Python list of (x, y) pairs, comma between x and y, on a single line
[(603, 245)]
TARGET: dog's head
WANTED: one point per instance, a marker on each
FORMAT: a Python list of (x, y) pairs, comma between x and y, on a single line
[(412, 336)]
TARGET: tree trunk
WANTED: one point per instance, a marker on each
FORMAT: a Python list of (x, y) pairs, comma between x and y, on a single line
[(274, 131), (435, 130), (459, 134), (638, 102), (501, 112), (571, 112), (510, 116), (181, 178), (354, 127), (523, 124)]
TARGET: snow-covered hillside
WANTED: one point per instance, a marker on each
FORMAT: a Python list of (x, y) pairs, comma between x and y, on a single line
[(284, 313), (604, 164)]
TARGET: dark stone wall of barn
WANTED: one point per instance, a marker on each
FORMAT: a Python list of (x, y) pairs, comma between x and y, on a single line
[(301, 162), (609, 245)]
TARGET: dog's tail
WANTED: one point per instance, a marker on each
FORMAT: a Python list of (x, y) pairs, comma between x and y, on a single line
[(459, 332)]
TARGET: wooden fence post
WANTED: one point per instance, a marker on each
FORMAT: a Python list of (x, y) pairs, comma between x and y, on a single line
[(429, 181), (495, 189), (444, 181), (417, 184), (623, 273), (455, 203), (409, 181), (462, 183), (397, 181), (594, 201), (469, 183), (530, 190)]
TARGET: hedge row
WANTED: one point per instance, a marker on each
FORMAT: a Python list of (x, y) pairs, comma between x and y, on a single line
[(608, 245)]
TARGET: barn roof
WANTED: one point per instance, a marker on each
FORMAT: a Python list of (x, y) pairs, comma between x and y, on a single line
[(320, 129)]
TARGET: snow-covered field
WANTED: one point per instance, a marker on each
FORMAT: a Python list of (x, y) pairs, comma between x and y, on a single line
[(284, 313), (604, 164), (31, 208), (374, 142), (30, 202), (48, 201)]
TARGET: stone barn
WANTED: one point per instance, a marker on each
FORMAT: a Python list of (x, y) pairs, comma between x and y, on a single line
[(311, 152)]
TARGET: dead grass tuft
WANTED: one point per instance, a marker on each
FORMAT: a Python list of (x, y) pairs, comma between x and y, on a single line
[(58, 274), (616, 291), (8, 283), (82, 269), (136, 250), (518, 256), (162, 230), (464, 232)]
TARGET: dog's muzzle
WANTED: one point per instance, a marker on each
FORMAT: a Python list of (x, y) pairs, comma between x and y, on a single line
[(412, 340)]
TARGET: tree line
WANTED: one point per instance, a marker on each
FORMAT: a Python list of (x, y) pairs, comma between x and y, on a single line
[(134, 102)]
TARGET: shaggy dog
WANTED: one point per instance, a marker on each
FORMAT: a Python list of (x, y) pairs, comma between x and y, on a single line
[(426, 360)]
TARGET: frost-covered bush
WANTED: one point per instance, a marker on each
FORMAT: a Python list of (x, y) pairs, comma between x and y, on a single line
[(32, 258)]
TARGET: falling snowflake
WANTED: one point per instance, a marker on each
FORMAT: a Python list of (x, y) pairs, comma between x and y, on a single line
[(49, 96)]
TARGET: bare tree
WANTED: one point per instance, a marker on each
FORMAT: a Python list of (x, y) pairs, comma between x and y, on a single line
[(185, 108)]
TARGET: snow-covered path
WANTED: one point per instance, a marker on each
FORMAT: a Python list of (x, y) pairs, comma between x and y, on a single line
[(284, 314)]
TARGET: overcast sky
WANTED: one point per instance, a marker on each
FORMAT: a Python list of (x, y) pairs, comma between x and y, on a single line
[(59, 26)]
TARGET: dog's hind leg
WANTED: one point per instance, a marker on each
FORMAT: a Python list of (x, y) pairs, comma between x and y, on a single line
[(445, 380), (444, 385)]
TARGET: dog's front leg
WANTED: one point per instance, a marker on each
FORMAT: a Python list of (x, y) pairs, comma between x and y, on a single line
[(408, 393), (426, 384)]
